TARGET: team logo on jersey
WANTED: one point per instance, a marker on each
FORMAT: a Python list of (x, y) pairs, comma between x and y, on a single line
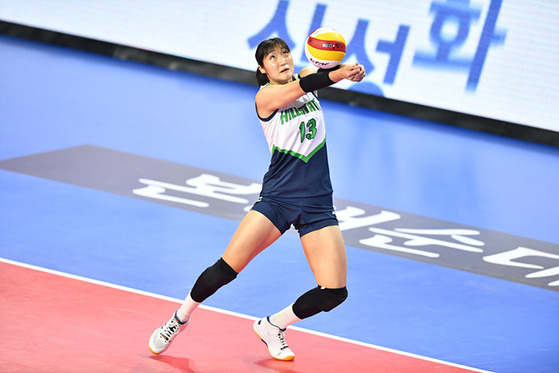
[(293, 112)]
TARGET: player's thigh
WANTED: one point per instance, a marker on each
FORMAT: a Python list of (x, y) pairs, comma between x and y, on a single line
[(326, 254), (255, 233)]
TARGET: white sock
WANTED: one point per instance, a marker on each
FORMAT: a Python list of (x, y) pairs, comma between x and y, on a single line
[(189, 305), (284, 318)]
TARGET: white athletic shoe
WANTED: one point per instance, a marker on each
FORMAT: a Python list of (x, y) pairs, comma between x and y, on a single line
[(273, 337), (162, 337)]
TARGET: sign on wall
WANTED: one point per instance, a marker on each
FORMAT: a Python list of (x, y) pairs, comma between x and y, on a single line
[(492, 58)]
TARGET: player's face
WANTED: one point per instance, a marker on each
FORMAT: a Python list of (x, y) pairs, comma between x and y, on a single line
[(278, 65)]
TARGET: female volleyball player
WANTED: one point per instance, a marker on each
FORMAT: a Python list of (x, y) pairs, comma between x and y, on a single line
[(296, 191)]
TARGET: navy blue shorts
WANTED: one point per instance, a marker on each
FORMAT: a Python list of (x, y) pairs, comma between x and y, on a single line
[(305, 214)]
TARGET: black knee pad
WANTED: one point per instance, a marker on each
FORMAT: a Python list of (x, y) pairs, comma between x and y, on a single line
[(333, 298), (317, 300), (212, 279)]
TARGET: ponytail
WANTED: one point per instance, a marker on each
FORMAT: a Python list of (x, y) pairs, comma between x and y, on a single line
[(262, 79)]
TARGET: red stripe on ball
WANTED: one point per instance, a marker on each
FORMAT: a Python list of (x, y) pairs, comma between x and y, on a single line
[(327, 45)]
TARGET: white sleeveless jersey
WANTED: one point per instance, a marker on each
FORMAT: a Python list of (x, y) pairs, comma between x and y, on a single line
[(297, 128), (296, 137)]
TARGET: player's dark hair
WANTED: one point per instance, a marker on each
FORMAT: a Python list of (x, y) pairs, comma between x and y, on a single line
[(265, 47)]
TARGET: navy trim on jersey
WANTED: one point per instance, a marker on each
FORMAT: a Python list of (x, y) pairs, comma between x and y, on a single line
[(264, 119)]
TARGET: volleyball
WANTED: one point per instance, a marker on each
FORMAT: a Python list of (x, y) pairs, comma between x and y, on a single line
[(325, 48)]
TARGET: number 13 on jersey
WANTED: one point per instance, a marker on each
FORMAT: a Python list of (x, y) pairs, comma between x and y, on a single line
[(308, 130)]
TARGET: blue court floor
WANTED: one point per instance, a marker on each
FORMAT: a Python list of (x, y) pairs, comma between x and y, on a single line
[(53, 99)]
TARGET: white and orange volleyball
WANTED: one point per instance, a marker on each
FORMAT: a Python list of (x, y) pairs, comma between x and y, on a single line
[(325, 48)]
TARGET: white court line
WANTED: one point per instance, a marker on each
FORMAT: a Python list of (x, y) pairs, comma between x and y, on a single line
[(163, 297)]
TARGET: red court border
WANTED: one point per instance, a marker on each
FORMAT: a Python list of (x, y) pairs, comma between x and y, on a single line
[(58, 322)]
